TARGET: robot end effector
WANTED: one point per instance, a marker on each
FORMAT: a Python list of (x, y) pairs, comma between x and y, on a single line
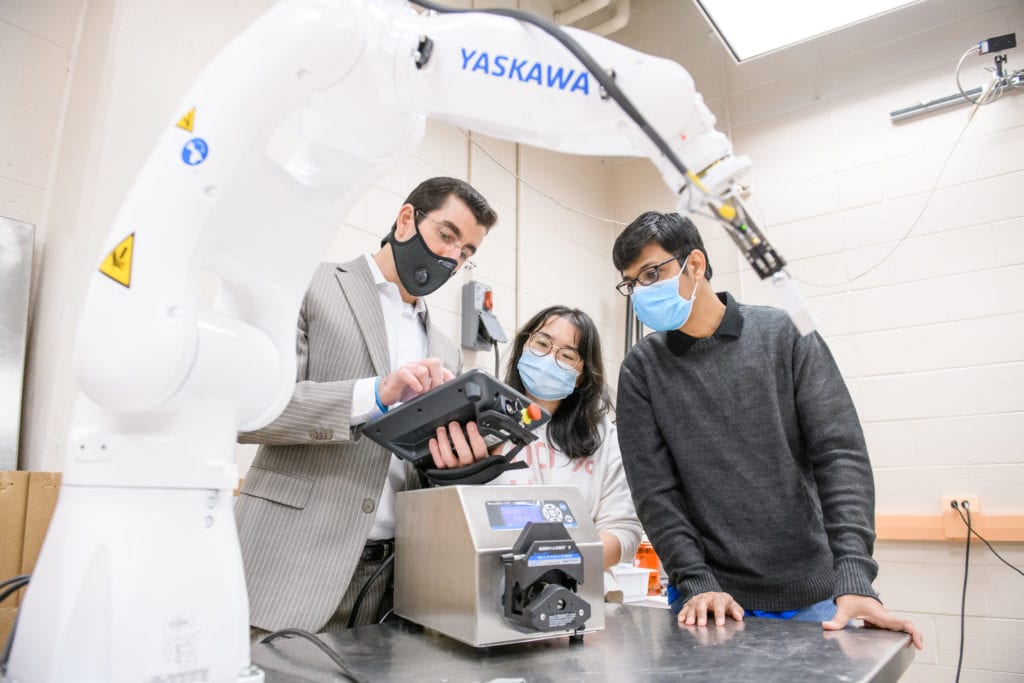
[(715, 187)]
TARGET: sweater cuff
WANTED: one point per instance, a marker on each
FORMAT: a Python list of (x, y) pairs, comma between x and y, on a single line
[(853, 578), (695, 585)]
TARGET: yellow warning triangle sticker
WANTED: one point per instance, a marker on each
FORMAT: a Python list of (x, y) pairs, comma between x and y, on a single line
[(186, 121), (118, 263)]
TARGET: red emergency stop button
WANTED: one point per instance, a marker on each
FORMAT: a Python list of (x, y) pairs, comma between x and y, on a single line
[(533, 410)]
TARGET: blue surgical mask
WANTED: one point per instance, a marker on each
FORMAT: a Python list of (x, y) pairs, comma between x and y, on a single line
[(544, 378), (659, 306)]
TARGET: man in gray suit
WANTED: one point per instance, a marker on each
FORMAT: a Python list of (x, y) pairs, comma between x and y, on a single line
[(316, 512)]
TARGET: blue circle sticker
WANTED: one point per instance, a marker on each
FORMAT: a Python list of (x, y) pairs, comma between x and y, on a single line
[(194, 152)]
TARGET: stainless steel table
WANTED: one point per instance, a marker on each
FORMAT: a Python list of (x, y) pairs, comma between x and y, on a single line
[(637, 644)]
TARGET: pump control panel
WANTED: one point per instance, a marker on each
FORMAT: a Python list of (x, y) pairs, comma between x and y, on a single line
[(480, 327)]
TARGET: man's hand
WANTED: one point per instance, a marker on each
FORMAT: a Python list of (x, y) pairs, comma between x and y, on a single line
[(469, 446), (874, 615), (714, 635), (412, 379), (696, 609)]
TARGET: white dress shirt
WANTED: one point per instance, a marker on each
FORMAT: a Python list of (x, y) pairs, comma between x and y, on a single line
[(407, 341)]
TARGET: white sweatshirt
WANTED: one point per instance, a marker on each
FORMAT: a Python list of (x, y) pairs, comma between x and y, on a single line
[(600, 478)]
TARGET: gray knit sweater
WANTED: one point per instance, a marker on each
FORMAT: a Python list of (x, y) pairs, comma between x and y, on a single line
[(747, 462)]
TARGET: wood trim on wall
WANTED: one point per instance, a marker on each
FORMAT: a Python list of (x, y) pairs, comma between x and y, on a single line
[(948, 527)]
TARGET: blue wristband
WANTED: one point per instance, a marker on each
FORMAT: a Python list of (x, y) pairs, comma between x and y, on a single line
[(376, 396)]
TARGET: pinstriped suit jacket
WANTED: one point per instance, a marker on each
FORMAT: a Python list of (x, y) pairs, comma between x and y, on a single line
[(309, 500)]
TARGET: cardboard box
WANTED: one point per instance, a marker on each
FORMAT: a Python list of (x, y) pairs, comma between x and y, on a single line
[(43, 488), (13, 500), (27, 502)]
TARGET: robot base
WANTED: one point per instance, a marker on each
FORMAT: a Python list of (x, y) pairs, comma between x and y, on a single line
[(157, 572)]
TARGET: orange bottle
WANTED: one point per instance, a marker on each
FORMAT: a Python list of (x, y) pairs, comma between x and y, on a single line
[(647, 558)]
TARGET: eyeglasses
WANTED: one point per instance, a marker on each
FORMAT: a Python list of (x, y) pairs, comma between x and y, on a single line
[(448, 238), (567, 358), (647, 276)]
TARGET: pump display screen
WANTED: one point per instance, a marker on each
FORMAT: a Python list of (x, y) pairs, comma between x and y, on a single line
[(516, 514)]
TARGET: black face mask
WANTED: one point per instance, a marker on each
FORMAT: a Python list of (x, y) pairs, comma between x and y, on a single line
[(420, 270)]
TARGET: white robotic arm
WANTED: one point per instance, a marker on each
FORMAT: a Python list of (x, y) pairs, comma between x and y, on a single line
[(140, 577), (533, 82), (515, 81)]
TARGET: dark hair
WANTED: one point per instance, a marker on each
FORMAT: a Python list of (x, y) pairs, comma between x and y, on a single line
[(574, 426), (432, 193), (676, 235)]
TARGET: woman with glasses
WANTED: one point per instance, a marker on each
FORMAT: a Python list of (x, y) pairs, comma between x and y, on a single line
[(556, 361)]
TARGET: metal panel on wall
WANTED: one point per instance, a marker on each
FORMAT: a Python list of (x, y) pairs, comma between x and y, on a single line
[(16, 242)]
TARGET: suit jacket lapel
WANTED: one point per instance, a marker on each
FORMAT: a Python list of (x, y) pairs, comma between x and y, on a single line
[(357, 283)]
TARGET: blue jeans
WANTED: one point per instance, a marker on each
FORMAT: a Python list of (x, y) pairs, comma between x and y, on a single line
[(819, 611)]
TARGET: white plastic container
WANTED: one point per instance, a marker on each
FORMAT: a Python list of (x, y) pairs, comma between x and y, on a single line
[(632, 581)]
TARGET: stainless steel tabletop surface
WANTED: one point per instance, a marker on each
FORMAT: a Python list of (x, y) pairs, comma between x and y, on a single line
[(637, 644)]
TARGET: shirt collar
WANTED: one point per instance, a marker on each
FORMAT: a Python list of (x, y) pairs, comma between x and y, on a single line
[(731, 326), (383, 284)]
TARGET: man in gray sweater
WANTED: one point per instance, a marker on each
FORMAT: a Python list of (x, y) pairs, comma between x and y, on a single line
[(742, 447)]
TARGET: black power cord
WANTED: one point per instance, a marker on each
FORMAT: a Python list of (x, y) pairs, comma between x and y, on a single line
[(10, 587), (334, 656), (966, 507), (13, 586), (982, 538), (963, 595), (15, 579), (366, 587)]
